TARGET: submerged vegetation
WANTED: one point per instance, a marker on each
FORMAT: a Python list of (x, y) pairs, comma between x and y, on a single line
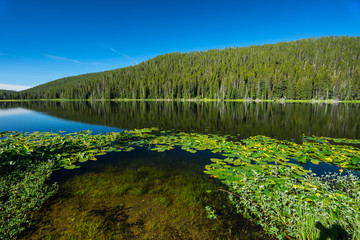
[(129, 196), (264, 182), (322, 68)]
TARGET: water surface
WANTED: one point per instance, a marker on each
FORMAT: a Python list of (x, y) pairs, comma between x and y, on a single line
[(284, 121), (144, 194)]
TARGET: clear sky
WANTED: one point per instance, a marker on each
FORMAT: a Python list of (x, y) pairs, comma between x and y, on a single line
[(43, 40)]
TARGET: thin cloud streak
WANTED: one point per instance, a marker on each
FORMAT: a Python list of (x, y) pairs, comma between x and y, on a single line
[(124, 55), (61, 58), (13, 87), (116, 51)]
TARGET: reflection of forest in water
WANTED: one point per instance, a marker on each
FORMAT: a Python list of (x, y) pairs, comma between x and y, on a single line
[(285, 121)]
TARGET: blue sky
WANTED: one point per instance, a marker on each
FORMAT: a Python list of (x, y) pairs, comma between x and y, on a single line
[(43, 40)]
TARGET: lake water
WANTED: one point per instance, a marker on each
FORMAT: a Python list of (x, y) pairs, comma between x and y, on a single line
[(284, 121), (142, 194)]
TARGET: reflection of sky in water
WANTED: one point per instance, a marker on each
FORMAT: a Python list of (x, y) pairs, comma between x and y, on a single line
[(13, 111), (323, 168), (23, 120)]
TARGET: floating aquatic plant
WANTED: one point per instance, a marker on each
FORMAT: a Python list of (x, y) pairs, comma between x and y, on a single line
[(260, 164)]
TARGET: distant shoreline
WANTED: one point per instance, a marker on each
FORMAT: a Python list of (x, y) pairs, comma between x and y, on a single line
[(330, 101)]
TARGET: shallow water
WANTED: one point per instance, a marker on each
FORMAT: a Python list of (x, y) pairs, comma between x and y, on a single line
[(140, 195)]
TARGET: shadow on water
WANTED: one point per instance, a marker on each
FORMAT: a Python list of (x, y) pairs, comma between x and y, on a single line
[(140, 195)]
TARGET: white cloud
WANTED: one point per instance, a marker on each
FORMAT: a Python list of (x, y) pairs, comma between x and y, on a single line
[(62, 58), (13, 87)]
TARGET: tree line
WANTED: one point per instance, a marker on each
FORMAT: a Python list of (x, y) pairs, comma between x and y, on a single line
[(314, 68), (7, 94)]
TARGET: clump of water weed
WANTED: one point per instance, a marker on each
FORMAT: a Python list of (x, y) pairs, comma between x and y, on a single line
[(315, 208), (21, 194)]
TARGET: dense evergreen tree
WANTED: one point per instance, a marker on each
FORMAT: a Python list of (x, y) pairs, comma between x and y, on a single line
[(8, 94), (323, 68)]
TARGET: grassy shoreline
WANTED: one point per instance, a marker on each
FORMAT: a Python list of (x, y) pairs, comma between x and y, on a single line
[(329, 101)]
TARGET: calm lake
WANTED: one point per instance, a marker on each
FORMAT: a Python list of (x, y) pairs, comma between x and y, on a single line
[(149, 195), (283, 121)]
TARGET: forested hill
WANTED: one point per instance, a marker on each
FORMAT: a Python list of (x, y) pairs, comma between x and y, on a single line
[(7, 94), (323, 68)]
